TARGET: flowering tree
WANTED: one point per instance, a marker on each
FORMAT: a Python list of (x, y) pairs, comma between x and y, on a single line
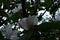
[(30, 19)]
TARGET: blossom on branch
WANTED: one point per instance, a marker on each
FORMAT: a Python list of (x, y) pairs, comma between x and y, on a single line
[(29, 22)]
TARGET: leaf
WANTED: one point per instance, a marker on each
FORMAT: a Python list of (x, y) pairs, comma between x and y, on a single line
[(0, 1), (27, 35), (1, 37), (48, 26), (16, 16)]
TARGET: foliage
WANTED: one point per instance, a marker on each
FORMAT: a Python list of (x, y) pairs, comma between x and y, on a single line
[(49, 30)]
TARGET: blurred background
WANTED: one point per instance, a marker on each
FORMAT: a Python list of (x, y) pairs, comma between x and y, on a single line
[(47, 12)]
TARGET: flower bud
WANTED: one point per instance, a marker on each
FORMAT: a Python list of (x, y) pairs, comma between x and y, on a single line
[(28, 23)]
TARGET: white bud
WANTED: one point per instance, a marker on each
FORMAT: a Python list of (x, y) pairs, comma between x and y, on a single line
[(26, 23)]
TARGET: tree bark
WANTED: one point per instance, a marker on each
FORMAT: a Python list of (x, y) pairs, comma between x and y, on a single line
[(36, 6), (24, 8)]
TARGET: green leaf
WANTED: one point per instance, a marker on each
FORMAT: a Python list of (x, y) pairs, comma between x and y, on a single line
[(48, 26), (27, 35)]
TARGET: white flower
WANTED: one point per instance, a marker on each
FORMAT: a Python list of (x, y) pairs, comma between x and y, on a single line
[(2, 6), (4, 18), (20, 29), (57, 15), (13, 26), (9, 33), (40, 12), (47, 16), (22, 34), (1, 27), (42, 1)]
